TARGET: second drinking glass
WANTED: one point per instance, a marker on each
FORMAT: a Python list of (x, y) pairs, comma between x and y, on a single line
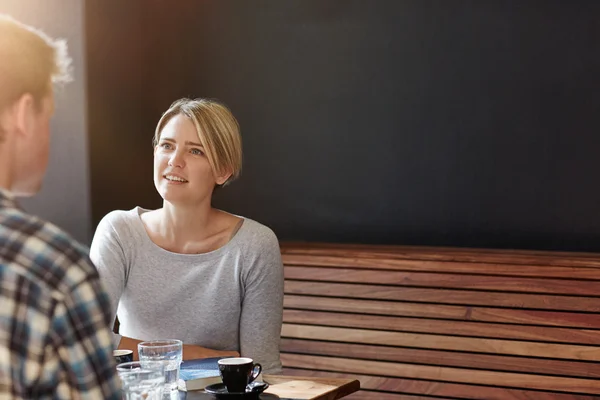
[(169, 352)]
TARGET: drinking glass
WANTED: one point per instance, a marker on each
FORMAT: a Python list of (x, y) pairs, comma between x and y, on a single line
[(142, 380), (169, 352)]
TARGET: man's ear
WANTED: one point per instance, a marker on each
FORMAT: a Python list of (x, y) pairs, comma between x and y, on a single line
[(4, 123), (24, 112)]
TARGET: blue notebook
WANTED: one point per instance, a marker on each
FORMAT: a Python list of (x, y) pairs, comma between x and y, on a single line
[(199, 373)]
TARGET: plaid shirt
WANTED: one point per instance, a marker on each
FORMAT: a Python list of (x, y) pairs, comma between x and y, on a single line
[(55, 340)]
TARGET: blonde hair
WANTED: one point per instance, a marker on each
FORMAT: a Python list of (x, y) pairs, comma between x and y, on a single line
[(30, 62), (218, 131)]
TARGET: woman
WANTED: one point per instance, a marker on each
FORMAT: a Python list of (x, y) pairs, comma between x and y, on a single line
[(187, 270)]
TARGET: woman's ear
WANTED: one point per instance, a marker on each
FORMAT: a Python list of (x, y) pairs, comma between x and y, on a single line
[(221, 179)]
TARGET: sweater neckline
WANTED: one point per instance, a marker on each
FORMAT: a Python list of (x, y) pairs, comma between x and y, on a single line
[(233, 241)]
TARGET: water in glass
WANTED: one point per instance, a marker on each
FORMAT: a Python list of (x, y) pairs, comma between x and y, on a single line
[(142, 380), (169, 352)]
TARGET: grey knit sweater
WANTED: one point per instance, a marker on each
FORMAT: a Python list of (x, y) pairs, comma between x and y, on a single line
[(227, 299)]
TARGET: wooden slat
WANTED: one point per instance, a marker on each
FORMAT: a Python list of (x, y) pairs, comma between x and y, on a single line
[(441, 311), (351, 248), (445, 374), (452, 281), (542, 271), (372, 395), (492, 256), (443, 358), (456, 328), (439, 390), (294, 387), (419, 340), (443, 296), (445, 322)]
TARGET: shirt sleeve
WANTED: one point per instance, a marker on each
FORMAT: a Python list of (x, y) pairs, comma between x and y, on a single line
[(262, 307), (81, 341), (109, 258)]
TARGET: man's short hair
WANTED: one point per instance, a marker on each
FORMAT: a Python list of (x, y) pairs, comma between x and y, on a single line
[(30, 62)]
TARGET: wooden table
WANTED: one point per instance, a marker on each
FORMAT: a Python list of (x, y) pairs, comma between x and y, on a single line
[(295, 388)]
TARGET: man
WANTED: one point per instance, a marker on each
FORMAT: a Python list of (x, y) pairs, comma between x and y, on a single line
[(55, 340)]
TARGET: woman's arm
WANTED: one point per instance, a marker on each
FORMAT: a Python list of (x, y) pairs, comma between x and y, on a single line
[(190, 351), (262, 307)]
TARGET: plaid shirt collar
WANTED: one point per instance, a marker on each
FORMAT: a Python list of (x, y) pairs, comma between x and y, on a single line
[(7, 200)]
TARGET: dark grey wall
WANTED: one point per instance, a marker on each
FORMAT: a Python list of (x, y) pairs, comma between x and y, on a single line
[(464, 123), (65, 196), (120, 135)]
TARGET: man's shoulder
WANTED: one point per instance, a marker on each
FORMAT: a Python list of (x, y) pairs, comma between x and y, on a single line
[(39, 250)]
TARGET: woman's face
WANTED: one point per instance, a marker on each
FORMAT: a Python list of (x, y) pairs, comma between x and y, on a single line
[(182, 173)]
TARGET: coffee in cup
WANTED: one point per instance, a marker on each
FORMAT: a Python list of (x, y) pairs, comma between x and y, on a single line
[(238, 372), (123, 356)]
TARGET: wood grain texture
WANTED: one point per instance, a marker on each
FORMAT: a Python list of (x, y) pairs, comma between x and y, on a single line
[(441, 327), (372, 395), (444, 374), (451, 281), (444, 323), (440, 342), (442, 311), (542, 271), (492, 362), (444, 296), (310, 388), (388, 388), (492, 256)]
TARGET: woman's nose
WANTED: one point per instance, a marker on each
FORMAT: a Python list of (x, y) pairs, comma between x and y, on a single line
[(176, 160)]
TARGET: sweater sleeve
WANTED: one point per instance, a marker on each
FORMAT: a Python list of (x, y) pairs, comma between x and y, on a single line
[(109, 257), (262, 307)]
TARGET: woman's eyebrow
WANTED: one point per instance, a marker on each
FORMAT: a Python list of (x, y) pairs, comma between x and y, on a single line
[(188, 143)]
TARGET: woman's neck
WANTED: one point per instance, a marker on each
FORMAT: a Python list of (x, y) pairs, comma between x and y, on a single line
[(180, 224), (190, 230)]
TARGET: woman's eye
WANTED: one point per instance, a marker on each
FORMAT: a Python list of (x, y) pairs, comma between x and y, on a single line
[(197, 152), (166, 146)]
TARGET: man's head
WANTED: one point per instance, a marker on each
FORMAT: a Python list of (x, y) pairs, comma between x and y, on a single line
[(31, 64)]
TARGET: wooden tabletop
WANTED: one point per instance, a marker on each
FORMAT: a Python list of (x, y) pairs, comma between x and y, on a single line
[(295, 388)]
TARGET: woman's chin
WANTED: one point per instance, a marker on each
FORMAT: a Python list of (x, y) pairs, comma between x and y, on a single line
[(171, 197), (178, 199)]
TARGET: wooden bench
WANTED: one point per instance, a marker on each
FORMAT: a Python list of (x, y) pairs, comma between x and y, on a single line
[(441, 323)]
